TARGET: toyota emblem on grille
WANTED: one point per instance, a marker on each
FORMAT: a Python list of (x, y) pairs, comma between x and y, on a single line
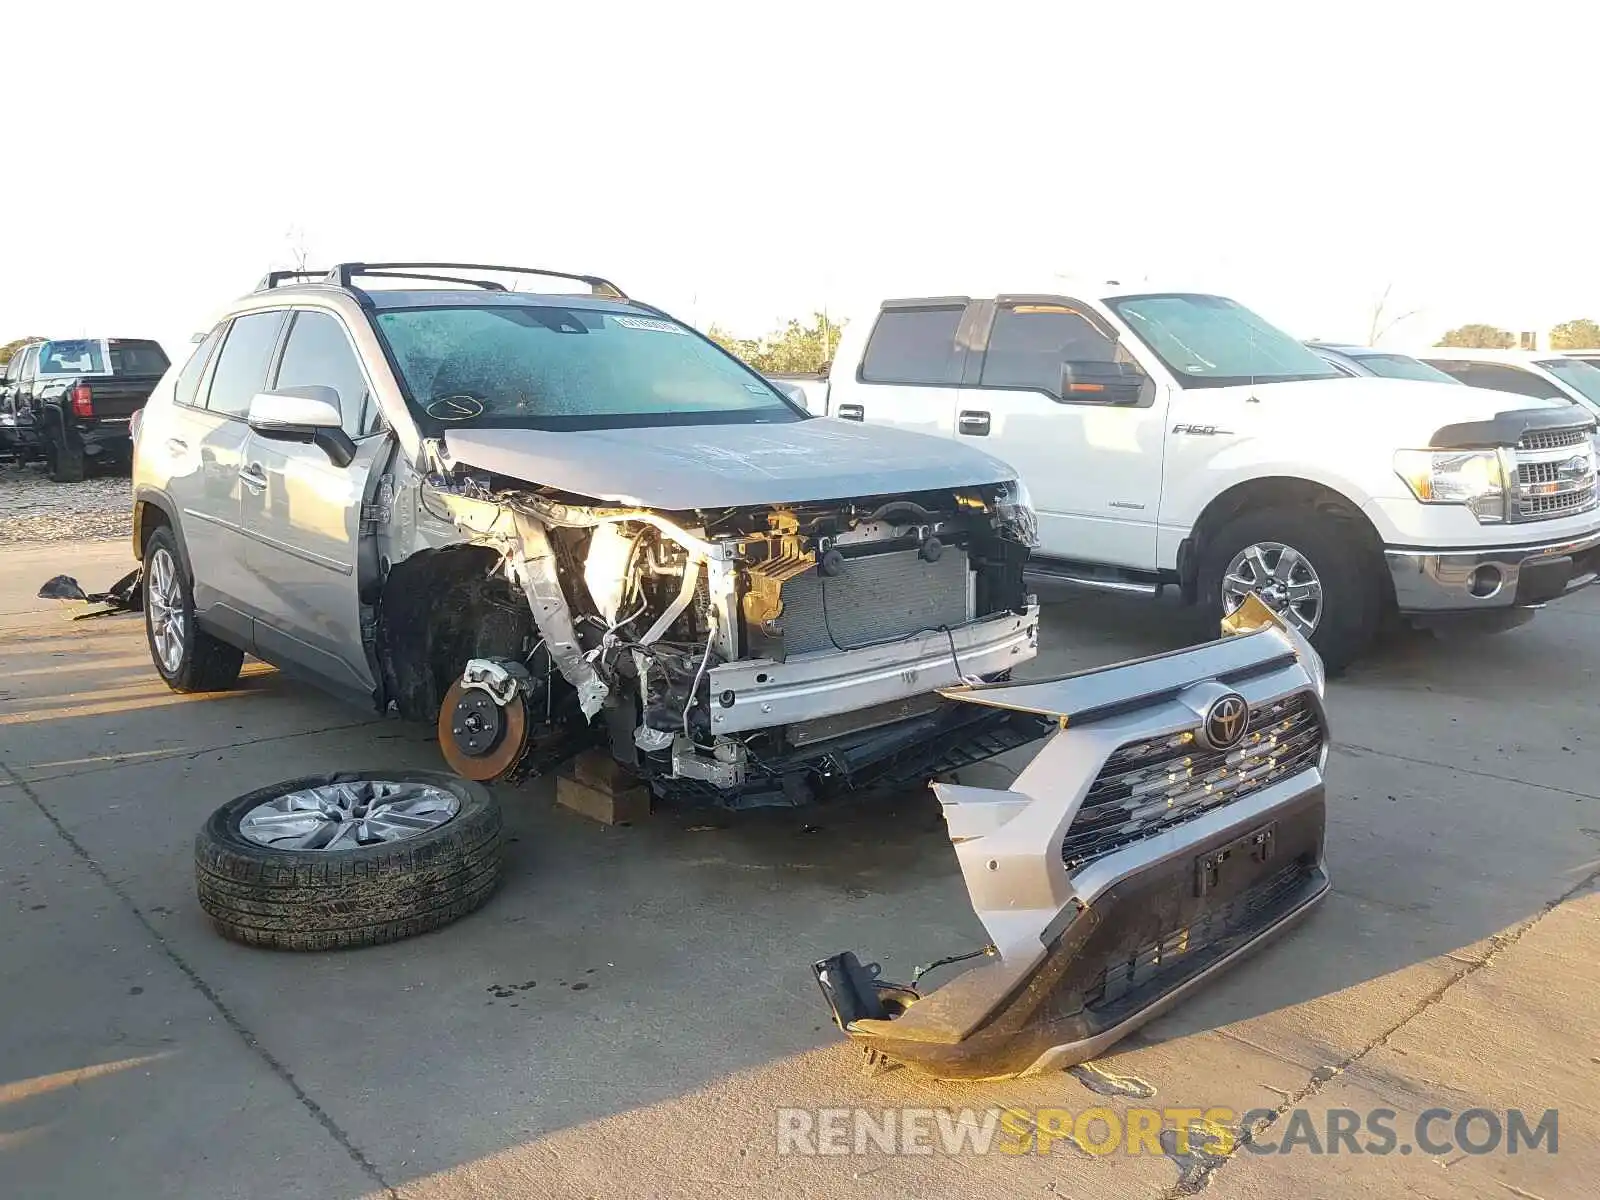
[(1225, 722)]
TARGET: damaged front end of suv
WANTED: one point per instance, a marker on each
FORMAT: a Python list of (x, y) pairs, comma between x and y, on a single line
[(1172, 823), (732, 624)]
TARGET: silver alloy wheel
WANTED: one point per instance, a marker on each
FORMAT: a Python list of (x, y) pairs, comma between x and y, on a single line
[(1283, 578), (164, 596), (347, 816)]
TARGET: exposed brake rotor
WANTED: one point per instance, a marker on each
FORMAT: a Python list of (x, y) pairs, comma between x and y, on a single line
[(480, 738)]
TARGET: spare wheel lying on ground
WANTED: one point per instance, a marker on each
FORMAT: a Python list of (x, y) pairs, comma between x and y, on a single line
[(351, 858)]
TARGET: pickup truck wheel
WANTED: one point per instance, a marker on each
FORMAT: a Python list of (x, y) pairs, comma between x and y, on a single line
[(352, 858), (66, 462), (1307, 565), (188, 658)]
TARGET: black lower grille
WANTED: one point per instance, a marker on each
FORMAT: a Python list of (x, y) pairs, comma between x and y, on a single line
[(1176, 952), (1149, 786)]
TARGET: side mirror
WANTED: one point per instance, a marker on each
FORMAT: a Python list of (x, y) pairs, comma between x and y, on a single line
[(308, 414), (792, 390), (1101, 382)]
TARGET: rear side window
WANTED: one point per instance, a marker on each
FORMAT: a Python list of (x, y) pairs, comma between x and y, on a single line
[(242, 367), (319, 352), (1030, 342), (189, 378), (913, 345), (136, 356), (79, 356)]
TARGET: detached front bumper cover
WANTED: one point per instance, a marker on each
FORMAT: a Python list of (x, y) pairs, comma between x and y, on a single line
[(1172, 823)]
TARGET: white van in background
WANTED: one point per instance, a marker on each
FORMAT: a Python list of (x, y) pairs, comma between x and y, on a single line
[(1172, 437)]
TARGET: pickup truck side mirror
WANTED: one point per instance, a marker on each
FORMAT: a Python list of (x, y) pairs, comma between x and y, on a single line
[(308, 414), (1101, 382), (792, 390)]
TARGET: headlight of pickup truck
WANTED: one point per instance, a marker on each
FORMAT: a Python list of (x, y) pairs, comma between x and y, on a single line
[(1471, 477), (1014, 506)]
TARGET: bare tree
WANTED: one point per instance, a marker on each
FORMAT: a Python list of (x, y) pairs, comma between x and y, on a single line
[(1382, 321)]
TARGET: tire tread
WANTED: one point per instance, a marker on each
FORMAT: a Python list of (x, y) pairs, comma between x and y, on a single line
[(310, 900)]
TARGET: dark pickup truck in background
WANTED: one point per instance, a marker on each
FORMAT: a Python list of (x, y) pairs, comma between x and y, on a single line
[(69, 401)]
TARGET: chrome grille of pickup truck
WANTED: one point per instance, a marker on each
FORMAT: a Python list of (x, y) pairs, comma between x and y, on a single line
[(1552, 439), (1555, 474), (1149, 786)]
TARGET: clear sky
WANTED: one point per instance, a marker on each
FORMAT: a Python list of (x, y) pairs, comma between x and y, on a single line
[(742, 162)]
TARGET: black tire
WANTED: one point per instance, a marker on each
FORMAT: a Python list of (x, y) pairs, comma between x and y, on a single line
[(341, 899), (1352, 596), (66, 461), (207, 664)]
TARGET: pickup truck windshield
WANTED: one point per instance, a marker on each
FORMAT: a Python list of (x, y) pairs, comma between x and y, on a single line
[(1209, 341), (545, 367), (102, 356), (1403, 366), (1578, 375)]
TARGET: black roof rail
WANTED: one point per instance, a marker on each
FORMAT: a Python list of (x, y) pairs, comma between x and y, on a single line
[(273, 278), (487, 284), (342, 274)]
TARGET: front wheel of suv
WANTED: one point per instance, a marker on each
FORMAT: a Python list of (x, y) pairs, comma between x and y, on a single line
[(189, 659)]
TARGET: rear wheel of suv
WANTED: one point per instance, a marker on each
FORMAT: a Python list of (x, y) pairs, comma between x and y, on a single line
[(1306, 564), (189, 659)]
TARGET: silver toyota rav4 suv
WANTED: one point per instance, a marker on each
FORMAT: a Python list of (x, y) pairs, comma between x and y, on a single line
[(541, 519)]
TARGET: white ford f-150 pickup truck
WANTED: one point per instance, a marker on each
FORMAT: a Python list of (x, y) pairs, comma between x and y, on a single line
[(1175, 437)]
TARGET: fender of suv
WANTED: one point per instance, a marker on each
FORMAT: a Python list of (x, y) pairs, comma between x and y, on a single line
[(1175, 438), (546, 519)]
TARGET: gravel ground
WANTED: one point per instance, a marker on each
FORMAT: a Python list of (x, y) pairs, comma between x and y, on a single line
[(32, 509)]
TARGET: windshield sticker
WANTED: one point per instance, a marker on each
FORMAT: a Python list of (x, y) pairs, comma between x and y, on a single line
[(649, 323), (757, 389)]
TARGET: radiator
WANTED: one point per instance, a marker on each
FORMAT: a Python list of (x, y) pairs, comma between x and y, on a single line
[(876, 599)]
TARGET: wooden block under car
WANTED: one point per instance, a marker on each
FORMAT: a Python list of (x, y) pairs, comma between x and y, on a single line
[(598, 787)]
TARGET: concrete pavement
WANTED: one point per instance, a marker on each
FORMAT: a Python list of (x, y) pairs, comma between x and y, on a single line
[(630, 1011)]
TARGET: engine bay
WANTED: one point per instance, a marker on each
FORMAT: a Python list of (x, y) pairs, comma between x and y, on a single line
[(662, 634)]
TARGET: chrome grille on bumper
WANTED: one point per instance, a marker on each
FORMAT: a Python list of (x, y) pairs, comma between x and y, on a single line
[(1152, 785)]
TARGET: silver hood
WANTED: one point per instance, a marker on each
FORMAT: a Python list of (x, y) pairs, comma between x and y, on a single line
[(680, 467)]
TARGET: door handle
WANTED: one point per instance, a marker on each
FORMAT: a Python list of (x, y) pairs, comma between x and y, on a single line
[(851, 412), (177, 446), (973, 424), (253, 476)]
